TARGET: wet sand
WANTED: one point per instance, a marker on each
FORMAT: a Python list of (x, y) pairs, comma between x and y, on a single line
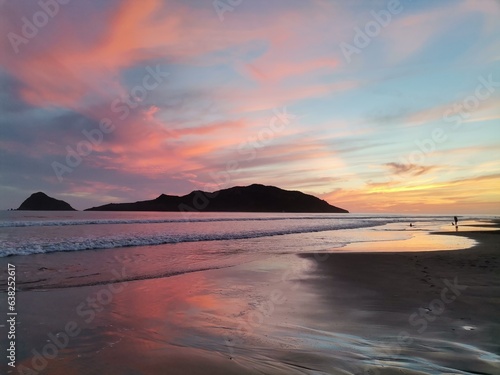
[(334, 313), (437, 309)]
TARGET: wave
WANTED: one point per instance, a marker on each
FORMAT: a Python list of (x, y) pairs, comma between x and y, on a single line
[(110, 242), (51, 223), (66, 222)]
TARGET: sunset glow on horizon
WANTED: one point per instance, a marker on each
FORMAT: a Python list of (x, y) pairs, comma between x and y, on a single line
[(375, 106)]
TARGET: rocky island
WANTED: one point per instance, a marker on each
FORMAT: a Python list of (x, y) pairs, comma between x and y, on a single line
[(253, 198), (42, 202)]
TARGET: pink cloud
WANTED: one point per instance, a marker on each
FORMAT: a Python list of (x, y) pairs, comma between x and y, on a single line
[(67, 67)]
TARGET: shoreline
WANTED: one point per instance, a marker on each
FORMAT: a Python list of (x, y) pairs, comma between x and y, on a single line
[(421, 297), (336, 312), (66, 269)]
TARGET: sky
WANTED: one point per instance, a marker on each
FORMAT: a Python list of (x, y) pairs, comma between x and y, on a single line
[(375, 106)]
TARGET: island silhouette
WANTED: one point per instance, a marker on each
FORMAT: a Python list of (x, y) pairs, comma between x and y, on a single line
[(253, 198), (42, 202)]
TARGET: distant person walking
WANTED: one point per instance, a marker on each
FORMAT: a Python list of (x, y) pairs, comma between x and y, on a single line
[(456, 221)]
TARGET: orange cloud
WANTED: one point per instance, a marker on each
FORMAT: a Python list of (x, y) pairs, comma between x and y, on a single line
[(474, 195), (411, 169)]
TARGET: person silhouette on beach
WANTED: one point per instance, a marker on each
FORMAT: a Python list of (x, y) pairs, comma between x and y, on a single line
[(456, 221)]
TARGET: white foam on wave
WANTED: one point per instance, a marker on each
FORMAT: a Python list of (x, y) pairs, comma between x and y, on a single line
[(51, 223), (66, 222), (109, 242)]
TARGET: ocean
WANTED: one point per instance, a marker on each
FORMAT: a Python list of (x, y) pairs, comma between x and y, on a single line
[(162, 244)]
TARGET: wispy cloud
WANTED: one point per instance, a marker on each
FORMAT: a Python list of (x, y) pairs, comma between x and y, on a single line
[(411, 169)]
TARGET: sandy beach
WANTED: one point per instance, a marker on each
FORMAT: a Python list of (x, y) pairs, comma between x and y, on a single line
[(345, 312), (425, 307)]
